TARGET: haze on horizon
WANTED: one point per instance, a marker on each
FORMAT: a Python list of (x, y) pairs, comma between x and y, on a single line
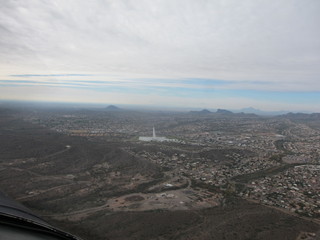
[(209, 54)]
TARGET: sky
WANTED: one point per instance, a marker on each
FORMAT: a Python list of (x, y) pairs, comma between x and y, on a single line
[(176, 53)]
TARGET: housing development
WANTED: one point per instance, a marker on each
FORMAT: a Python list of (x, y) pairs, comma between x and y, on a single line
[(141, 161)]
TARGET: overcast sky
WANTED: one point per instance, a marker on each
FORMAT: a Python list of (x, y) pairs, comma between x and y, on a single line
[(211, 54)]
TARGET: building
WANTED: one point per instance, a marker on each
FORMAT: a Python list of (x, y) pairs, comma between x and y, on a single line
[(155, 138)]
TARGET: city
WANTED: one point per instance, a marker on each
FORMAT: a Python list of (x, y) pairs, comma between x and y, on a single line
[(218, 149), (215, 157)]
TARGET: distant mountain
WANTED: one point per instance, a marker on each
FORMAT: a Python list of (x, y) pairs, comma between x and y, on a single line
[(203, 111), (259, 112), (112, 108), (302, 116), (251, 110), (224, 111)]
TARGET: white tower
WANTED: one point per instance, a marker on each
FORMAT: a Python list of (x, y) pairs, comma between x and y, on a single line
[(154, 133)]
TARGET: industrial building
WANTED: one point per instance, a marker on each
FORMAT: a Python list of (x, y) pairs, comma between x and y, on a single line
[(155, 138)]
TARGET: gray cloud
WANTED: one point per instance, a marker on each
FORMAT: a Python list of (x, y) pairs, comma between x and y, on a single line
[(274, 41)]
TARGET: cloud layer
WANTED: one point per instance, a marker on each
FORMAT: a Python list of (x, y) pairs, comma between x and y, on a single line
[(245, 45)]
